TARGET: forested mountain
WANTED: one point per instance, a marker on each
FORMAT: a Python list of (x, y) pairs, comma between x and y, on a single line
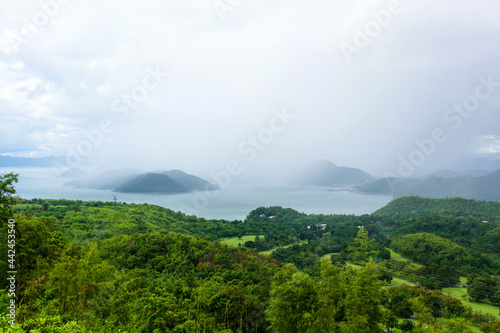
[(325, 173), (420, 207), (444, 173), (191, 182), (152, 183)]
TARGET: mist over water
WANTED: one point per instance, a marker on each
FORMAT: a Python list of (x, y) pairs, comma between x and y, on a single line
[(234, 202)]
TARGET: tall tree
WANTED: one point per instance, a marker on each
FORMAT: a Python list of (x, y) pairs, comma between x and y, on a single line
[(362, 248), (362, 301), (293, 299), (7, 195)]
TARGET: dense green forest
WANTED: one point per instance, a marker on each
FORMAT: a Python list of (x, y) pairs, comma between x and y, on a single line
[(106, 267)]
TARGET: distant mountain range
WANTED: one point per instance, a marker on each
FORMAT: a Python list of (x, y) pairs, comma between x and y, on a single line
[(478, 182), (468, 187), (325, 173), (136, 181), (480, 163), (444, 173), (449, 184), (385, 186)]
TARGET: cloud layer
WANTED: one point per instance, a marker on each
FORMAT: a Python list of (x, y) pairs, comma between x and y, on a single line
[(65, 64)]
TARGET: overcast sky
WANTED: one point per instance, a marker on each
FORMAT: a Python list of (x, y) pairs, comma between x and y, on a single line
[(234, 65)]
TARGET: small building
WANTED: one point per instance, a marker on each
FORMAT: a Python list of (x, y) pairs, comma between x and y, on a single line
[(318, 226)]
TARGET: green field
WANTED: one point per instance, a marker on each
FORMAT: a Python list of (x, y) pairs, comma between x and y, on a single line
[(279, 247), (234, 241), (355, 266), (483, 307), (431, 330), (397, 282), (397, 257), (455, 292), (27, 206)]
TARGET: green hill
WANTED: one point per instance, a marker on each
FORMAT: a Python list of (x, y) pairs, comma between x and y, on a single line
[(469, 223), (190, 182), (152, 183), (413, 206), (428, 249)]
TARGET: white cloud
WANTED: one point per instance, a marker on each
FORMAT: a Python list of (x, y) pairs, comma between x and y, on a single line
[(488, 144)]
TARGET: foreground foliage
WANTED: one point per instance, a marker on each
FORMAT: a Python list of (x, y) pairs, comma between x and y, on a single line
[(97, 267)]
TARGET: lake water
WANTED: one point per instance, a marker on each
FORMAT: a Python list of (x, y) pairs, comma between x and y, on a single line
[(231, 203)]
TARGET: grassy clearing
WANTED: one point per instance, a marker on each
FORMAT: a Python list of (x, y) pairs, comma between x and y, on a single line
[(279, 247), (454, 292), (27, 206), (353, 265), (234, 241), (398, 257), (398, 282), (431, 329), (460, 292)]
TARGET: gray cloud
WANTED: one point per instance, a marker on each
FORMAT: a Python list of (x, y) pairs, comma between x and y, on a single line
[(226, 76)]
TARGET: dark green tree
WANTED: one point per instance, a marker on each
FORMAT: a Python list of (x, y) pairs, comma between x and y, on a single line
[(7, 195), (362, 249), (293, 299)]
